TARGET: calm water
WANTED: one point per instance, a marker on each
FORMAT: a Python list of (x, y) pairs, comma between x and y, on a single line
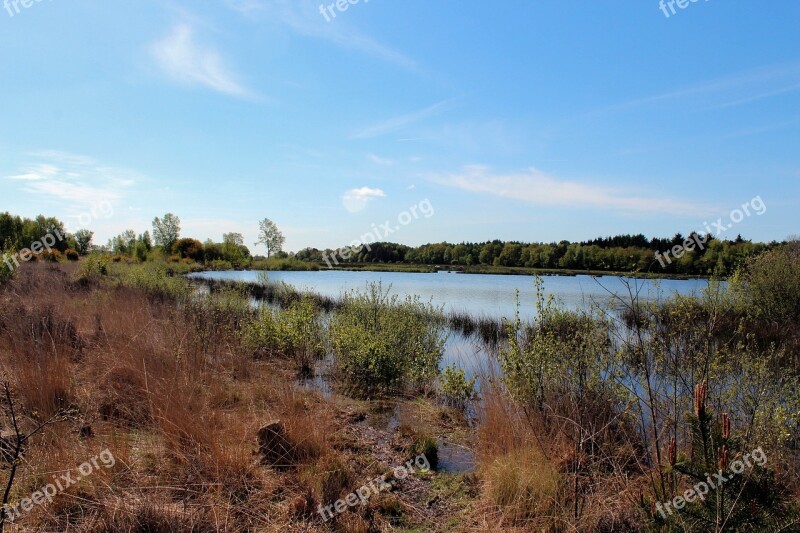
[(488, 295), (477, 294)]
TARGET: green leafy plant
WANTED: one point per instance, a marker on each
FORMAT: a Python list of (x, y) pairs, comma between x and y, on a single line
[(382, 342), (6, 268), (457, 391), (301, 334)]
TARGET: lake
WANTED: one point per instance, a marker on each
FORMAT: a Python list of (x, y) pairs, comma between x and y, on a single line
[(477, 294)]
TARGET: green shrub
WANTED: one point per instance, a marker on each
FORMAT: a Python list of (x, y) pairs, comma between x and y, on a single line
[(219, 264), (285, 264), (456, 390), (301, 334), (6, 271), (153, 279), (559, 353), (93, 267), (769, 285), (259, 337), (382, 342), (296, 332)]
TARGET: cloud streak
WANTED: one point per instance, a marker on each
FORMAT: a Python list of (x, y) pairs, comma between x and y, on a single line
[(303, 17), (538, 188), (396, 123), (750, 86), (185, 61)]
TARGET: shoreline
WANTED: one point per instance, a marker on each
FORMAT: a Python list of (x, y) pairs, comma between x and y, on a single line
[(487, 270)]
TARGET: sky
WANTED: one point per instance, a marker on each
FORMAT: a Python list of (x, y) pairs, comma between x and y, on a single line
[(524, 120)]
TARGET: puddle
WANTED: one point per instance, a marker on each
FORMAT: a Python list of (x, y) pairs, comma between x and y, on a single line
[(319, 382), (384, 415), (455, 459)]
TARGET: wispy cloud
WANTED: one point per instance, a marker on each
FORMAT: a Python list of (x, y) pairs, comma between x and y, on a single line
[(356, 200), (738, 89), (184, 60), (538, 188), (381, 161), (77, 184), (303, 17), (395, 123)]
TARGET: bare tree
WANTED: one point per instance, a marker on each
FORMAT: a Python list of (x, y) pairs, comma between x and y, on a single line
[(12, 447)]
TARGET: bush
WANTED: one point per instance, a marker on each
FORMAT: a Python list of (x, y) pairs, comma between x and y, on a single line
[(188, 249), (560, 353), (380, 342), (217, 317), (769, 285), (93, 267), (72, 255), (154, 280), (287, 264), (456, 390), (6, 270), (296, 332), (219, 264), (53, 256), (259, 337), (301, 334)]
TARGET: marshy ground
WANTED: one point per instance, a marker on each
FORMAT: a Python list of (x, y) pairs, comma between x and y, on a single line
[(594, 421)]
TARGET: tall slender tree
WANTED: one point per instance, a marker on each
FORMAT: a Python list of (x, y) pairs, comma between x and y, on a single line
[(270, 236)]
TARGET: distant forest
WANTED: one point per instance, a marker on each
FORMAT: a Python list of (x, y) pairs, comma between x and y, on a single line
[(623, 253)]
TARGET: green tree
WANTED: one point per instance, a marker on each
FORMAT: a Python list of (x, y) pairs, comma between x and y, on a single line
[(83, 240), (233, 238), (270, 236), (166, 231)]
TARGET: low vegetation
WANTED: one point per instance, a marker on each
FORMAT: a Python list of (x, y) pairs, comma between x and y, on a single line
[(381, 342), (603, 419)]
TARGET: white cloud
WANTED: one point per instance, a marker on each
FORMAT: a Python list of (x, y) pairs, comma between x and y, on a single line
[(356, 200), (190, 63), (538, 188)]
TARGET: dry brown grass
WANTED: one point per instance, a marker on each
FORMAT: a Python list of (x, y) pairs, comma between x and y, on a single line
[(178, 407), (534, 477)]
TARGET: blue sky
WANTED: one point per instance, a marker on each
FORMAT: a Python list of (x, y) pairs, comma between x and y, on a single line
[(519, 120)]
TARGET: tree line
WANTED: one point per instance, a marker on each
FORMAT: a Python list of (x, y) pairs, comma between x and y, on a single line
[(622, 253), (165, 241)]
